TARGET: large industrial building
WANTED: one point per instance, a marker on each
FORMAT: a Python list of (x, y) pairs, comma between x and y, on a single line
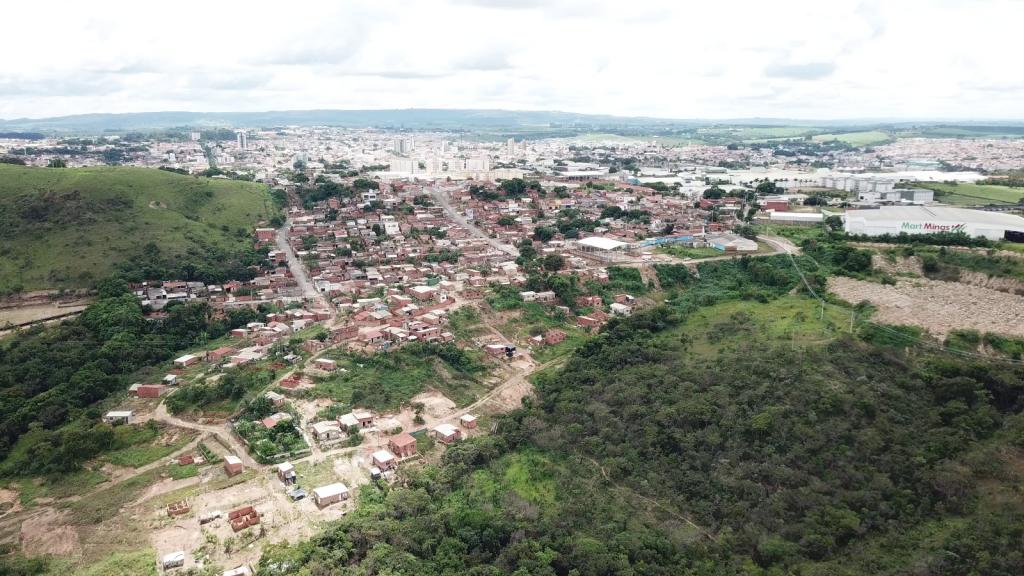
[(934, 219)]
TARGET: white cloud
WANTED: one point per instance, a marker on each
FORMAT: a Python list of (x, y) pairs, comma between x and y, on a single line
[(725, 59)]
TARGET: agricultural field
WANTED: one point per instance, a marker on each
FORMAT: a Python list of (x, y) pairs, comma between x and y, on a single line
[(70, 227), (859, 139), (966, 194)]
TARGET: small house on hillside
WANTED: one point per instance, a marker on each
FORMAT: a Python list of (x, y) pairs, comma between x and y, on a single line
[(286, 473), (233, 465), (186, 360), (383, 460), (115, 417), (447, 433), (327, 495), (326, 430), (402, 445)]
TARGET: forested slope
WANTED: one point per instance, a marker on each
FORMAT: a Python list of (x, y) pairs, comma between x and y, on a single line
[(662, 449)]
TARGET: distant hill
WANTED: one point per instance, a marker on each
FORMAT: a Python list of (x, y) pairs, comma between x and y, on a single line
[(413, 118), (498, 123), (68, 228)]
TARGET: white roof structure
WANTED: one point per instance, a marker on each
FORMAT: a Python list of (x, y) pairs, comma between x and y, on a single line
[(285, 467), (932, 219), (240, 571), (467, 418), (383, 456), (330, 490), (119, 414), (348, 420), (941, 213), (232, 459), (173, 558), (445, 429), (601, 243), (326, 426)]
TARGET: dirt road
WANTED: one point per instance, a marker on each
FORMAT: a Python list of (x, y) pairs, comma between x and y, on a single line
[(221, 431), (298, 271)]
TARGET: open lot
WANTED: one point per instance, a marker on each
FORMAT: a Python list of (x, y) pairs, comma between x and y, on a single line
[(936, 306)]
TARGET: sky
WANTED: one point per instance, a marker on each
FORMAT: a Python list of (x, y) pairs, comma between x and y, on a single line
[(821, 59)]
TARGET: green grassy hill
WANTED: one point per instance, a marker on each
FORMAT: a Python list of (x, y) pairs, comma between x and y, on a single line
[(967, 194), (67, 228)]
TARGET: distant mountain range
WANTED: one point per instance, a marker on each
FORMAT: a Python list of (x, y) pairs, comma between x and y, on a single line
[(420, 119)]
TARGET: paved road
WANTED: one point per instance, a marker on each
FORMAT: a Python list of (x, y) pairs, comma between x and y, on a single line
[(298, 270), (441, 198)]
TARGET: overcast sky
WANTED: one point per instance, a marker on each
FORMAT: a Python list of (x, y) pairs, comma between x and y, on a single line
[(668, 58)]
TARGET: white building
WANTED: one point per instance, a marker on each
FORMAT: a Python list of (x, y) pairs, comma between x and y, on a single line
[(933, 219)]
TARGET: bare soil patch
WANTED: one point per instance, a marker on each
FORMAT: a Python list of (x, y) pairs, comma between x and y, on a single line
[(939, 307), (49, 532)]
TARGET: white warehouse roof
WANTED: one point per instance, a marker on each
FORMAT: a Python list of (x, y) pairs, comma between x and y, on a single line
[(1001, 219), (601, 243), (931, 219)]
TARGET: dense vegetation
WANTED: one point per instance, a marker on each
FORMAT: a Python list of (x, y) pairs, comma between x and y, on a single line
[(51, 377), (647, 454), (70, 228), (385, 381), (799, 460)]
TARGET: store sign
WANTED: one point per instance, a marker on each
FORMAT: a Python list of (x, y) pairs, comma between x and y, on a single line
[(932, 227)]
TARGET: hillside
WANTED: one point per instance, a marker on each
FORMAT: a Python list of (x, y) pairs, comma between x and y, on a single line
[(732, 432), (68, 228)]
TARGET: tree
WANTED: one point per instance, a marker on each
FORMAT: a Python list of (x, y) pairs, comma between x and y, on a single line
[(767, 188), (553, 262), (506, 221), (513, 188), (57, 163), (544, 233), (834, 222), (714, 193)]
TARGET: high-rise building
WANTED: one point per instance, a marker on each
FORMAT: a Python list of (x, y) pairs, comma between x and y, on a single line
[(243, 139), (511, 147)]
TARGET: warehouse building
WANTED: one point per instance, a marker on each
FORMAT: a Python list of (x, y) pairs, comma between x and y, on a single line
[(932, 219)]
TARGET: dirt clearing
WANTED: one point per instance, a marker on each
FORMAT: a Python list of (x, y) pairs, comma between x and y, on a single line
[(939, 307), (49, 533)]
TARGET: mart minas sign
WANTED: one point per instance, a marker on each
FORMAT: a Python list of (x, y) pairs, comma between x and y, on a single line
[(932, 227)]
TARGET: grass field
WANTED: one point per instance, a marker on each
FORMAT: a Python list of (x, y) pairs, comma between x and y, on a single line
[(966, 194), (67, 228), (58, 487), (138, 446), (693, 253), (385, 381), (866, 138), (793, 319)]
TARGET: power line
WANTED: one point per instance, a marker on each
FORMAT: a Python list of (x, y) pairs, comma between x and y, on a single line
[(888, 329)]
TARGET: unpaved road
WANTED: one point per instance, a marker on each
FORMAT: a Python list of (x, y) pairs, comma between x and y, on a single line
[(221, 431)]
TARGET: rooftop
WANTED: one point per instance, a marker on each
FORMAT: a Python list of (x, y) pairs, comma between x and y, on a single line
[(939, 213), (601, 243)]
